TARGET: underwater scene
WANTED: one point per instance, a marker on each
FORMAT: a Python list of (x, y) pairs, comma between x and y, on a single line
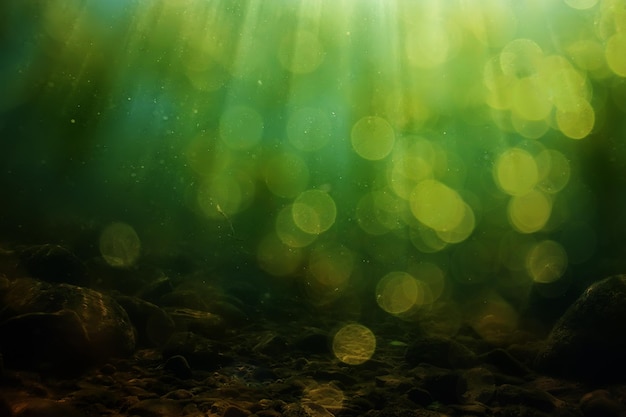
[(312, 208)]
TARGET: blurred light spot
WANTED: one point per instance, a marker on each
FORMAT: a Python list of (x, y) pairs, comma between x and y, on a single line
[(530, 212), (241, 127), (567, 85), (289, 233), (494, 319), (308, 129), (531, 129), (429, 44), (426, 240), (578, 122), (516, 171), (587, 54), (520, 58), (554, 171), (436, 205), (286, 175), (499, 95), (530, 98), (276, 258), (493, 22), (119, 245), (398, 292), (354, 344), (314, 211), (546, 261), (372, 138), (461, 231), (581, 4), (327, 396), (301, 52)]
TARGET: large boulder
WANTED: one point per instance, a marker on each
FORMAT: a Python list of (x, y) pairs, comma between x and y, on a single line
[(589, 340), (60, 328)]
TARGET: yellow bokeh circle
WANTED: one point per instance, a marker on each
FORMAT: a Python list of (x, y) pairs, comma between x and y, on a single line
[(546, 261), (436, 205), (529, 213), (372, 138), (398, 292), (354, 344), (120, 245), (516, 171), (314, 211)]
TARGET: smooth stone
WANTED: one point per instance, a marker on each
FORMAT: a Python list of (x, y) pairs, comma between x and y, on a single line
[(588, 342), (54, 263), (154, 326), (61, 328), (439, 351)]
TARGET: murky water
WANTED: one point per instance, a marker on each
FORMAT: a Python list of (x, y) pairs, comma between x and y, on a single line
[(415, 149)]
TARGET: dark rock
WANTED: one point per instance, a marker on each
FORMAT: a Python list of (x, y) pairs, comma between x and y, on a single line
[(444, 386), (271, 344), (199, 351), (200, 322), (54, 263), (61, 328), (154, 326), (589, 341), (36, 407), (184, 299), (420, 396), (600, 403), (441, 352), (313, 341), (156, 289), (506, 363), (156, 407), (513, 395), (179, 366)]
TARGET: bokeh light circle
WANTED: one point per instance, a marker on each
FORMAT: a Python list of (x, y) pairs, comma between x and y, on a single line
[(516, 171), (314, 211), (354, 344), (436, 205), (546, 261), (120, 245), (398, 292), (372, 138)]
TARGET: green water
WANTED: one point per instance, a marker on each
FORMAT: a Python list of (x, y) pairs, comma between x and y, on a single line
[(418, 149)]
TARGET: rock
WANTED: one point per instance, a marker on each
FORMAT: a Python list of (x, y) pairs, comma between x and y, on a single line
[(179, 366), (199, 352), (600, 403), (514, 395), (439, 351), (61, 328), (154, 326), (196, 321), (36, 407), (506, 363), (588, 341), (156, 407), (54, 263)]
